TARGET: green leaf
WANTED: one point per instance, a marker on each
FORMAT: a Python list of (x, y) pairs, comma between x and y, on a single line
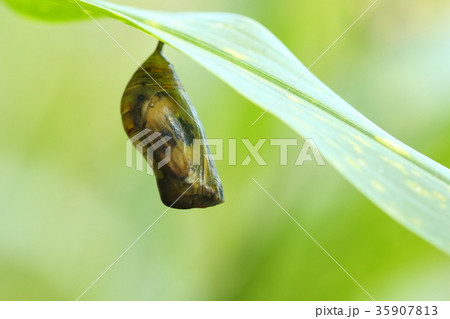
[(410, 187)]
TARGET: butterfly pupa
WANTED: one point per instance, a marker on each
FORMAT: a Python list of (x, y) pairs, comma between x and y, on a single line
[(154, 101)]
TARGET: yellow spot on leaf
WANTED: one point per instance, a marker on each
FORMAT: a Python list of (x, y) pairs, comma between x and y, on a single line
[(357, 148), (378, 186), (392, 145), (352, 163), (220, 25), (417, 188), (416, 173), (418, 222), (324, 119), (362, 162), (439, 196), (152, 23), (236, 54), (361, 140), (397, 165), (295, 99), (354, 144)]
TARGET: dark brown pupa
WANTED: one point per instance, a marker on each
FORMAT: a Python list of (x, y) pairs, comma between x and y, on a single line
[(154, 101)]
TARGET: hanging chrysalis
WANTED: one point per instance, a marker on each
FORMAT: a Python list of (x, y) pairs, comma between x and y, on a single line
[(155, 104)]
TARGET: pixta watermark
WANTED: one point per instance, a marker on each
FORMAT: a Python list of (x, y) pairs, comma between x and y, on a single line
[(148, 142)]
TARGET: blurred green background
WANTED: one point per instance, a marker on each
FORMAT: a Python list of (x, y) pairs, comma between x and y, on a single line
[(69, 205)]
